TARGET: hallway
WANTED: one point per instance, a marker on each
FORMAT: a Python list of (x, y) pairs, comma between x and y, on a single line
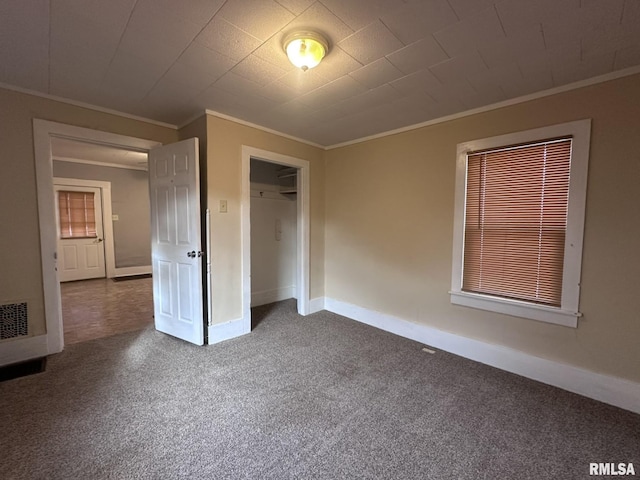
[(103, 307)]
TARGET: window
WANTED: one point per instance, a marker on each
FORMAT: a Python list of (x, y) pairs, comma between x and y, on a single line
[(77, 214), (519, 221)]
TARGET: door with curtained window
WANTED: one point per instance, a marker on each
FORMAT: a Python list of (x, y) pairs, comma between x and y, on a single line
[(79, 232)]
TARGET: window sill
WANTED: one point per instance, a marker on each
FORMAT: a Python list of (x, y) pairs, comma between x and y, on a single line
[(516, 308)]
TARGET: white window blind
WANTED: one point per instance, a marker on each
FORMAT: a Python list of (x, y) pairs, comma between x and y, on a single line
[(516, 221), (77, 214)]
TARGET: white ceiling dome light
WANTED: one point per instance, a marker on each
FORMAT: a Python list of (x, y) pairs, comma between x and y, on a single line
[(305, 49)]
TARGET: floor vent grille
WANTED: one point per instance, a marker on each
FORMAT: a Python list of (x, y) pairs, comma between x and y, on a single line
[(13, 320)]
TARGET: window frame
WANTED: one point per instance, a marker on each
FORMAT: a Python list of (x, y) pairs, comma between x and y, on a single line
[(568, 312)]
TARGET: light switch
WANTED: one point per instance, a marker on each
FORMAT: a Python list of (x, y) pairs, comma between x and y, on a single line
[(115, 218), (223, 206)]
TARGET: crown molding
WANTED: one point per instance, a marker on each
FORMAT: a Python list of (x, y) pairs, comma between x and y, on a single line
[(260, 127), (89, 106), (193, 118), (487, 108), (506, 103)]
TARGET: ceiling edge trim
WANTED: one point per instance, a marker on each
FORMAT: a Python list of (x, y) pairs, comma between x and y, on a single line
[(506, 103), (89, 106), (193, 118), (260, 127)]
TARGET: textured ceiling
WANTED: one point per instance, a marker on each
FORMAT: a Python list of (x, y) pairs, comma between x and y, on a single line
[(392, 63)]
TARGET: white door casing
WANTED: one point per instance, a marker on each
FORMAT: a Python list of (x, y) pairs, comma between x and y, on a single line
[(81, 258), (176, 255), (52, 341), (302, 234)]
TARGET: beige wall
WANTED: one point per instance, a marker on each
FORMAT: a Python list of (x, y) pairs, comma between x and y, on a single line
[(389, 223), (20, 262), (224, 171), (382, 218)]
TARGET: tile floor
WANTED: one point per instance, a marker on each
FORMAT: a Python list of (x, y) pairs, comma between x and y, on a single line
[(101, 307)]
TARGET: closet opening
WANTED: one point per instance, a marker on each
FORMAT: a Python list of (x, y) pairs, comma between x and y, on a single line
[(275, 231), (274, 226)]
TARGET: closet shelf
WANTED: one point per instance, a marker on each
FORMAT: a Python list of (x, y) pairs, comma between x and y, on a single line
[(288, 179)]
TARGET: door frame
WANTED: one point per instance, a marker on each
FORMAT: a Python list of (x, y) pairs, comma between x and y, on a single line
[(43, 130), (302, 227), (107, 226)]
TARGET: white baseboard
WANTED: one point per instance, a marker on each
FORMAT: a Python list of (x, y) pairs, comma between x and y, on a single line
[(130, 271), (316, 305), (274, 295), (612, 390), (22, 349), (228, 330)]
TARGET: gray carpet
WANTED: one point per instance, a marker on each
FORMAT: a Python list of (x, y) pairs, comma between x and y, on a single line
[(300, 397)]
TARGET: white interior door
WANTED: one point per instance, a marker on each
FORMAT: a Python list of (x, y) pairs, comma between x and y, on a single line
[(176, 254), (80, 232)]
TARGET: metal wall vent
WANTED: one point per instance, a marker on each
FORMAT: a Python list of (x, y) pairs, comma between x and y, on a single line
[(13, 320)]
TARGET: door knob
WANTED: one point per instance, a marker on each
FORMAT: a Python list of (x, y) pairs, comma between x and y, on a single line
[(97, 240), (191, 254)]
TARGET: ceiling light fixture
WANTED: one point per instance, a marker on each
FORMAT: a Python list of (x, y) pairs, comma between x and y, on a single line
[(305, 49)]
